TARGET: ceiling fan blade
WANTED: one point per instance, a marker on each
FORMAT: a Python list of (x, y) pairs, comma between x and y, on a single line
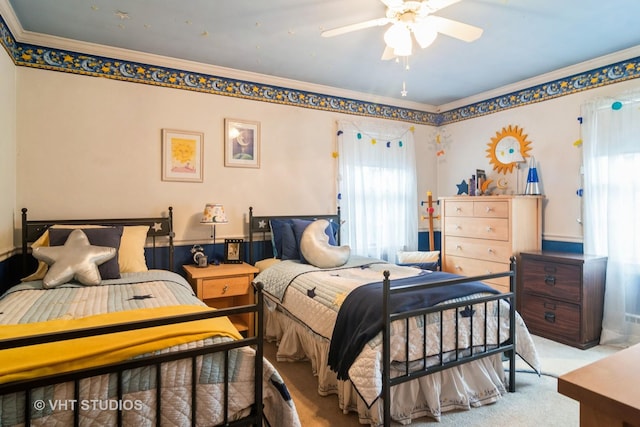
[(431, 6), (394, 4), (388, 54), (451, 28), (354, 27)]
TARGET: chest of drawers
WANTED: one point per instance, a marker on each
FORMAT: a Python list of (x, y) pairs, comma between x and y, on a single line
[(480, 234), (562, 296)]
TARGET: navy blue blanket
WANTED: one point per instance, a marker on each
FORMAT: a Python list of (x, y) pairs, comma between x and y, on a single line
[(360, 317)]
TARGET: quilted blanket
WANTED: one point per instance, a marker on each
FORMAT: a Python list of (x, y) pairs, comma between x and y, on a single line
[(359, 318), (314, 297), (29, 302)]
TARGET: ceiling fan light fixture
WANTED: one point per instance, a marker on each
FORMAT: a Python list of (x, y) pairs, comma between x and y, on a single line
[(398, 37), (424, 35)]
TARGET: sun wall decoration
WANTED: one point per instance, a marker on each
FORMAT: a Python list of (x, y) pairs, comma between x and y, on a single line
[(508, 147)]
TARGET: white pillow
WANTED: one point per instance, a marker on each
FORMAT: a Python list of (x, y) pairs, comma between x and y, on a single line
[(316, 249), (417, 257)]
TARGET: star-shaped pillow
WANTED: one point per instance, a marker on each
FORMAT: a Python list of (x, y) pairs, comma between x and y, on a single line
[(76, 259)]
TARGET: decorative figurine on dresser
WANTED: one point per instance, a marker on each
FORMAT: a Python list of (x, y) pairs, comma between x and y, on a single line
[(562, 296), (481, 234)]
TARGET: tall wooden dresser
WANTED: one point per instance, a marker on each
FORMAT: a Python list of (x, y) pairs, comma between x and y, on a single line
[(481, 233)]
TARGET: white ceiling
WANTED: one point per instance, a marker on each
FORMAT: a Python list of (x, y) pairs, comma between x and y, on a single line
[(521, 39)]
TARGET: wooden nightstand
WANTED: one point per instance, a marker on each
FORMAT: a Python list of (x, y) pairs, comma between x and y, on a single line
[(225, 285), (562, 296)]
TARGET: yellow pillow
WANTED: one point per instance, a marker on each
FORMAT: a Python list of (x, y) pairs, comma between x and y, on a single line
[(131, 257), (131, 252), (41, 271)]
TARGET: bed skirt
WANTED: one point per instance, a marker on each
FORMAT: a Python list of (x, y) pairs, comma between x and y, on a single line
[(462, 387)]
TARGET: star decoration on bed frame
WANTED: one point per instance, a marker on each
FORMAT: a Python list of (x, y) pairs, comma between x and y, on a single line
[(157, 227)]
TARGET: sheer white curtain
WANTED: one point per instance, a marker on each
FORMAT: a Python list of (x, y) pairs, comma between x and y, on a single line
[(611, 151), (377, 187)]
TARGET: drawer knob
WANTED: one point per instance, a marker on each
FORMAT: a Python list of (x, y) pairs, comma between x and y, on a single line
[(489, 209), (458, 247), (225, 288), (489, 229), (550, 317), (458, 209), (549, 280), (457, 267), (490, 250), (456, 226)]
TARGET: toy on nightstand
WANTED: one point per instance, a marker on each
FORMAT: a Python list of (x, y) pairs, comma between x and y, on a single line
[(199, 257)]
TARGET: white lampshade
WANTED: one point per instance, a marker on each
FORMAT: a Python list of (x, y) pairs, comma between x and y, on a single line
[(398, 37), (213, 214)]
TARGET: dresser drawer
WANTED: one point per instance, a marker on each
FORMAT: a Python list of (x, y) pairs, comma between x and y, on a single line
[(489, 250), (491, 209), (478, 228), (557, 280), (475, 267), (551, 318), (225, 287), (458, 208)]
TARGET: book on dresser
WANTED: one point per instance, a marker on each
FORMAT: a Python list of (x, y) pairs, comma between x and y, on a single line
[(480, 234)]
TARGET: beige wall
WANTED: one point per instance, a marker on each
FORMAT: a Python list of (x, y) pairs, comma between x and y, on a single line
[(552, 127), (90, 148), (7, 153)]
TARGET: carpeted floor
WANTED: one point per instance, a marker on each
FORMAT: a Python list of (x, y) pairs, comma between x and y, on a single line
[(536, 401)]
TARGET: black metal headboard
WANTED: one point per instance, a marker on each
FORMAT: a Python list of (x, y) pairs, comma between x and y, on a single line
[(261, 225), (160, 227)]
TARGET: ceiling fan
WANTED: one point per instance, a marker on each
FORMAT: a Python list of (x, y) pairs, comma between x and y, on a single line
[(412, 17)]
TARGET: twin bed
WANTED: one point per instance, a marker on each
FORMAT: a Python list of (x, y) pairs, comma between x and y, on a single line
[(357, 322), (387, 339), (139, 349)]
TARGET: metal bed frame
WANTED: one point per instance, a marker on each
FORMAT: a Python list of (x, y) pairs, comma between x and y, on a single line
[(260, 225), (163, 227)]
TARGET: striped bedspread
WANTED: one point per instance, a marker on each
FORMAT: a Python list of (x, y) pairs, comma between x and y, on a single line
[(29, 302)]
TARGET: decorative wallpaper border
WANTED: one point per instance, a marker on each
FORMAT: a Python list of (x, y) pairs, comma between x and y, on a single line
[(77, 63)]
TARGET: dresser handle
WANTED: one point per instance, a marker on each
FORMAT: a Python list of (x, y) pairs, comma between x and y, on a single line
[(225, 288), (490, 250), (456, 226), (550, 280), (489, 209), (458, 247), (550, 317), (489, 229), (457, 267), (458, 209)]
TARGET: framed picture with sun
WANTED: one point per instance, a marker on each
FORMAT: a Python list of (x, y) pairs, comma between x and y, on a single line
[(509, 147)]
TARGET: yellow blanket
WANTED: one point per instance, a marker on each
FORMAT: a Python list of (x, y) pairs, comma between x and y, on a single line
[(64, 356)]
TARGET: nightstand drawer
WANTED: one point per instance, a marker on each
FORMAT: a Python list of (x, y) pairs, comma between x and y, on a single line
[(225, 287), (554, 279), (551, 318)]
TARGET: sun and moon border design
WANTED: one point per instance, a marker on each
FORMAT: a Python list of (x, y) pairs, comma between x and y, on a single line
[(24, 54)]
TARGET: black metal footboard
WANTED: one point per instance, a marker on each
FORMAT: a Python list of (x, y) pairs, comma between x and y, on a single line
[(426, 365), (255, 417)]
